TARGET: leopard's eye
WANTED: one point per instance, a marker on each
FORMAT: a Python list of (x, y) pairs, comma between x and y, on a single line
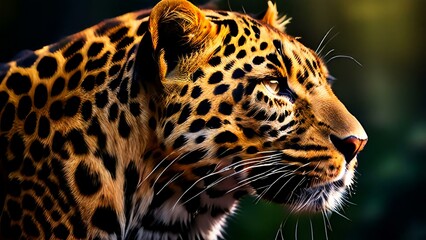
[(279, 87), (273, 86)]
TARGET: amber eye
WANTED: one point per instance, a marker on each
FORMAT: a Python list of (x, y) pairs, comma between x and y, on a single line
[(273, 86), (279, 87)]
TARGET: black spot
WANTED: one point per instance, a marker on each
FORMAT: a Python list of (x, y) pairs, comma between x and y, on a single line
[(87, 180), (97, 63), (113, 112), (110, 163), (73, 62), (56, 110), (30, 227), (119, 55), (74, 80), (58, 86), (233, 26), (214, 123), (288, 64), (204, 170), (221, 89), (86, 110), (241, 54), (73, 48), (168, 129), (24, 107), (204, 107), (225, 108), (250, 88), (216, 77), (248, 132), (30, 123), (43, 127), (184, 90), (229, 65), (200, 139), (230, 49), (274, 59), (101, 99), (226, 137), (78, 226), (8, 117), (40, 96), (123, 126), (197, 125), (78, 142), (105, 218), (247, 67), (261, 115), (197, 74), (226, 40), (60, 231), (88, 83), (172, 109), (95, 130), (263, 45), (193, 156), (119, 34), (214, 61), (238, 73), (47, 67), (184, 115), (237, 93), (241, 41), (131, 181), (114, 70), (223, 152), (256, 31), (152, 123), (252, 150), (94, 49), (196, 92), (135, 109), (126, 41), (18, 83), (179, 142), (258, 60), (58, 142), (71, 106)]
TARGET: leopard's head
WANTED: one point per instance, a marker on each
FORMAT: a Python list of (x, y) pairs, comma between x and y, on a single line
[(242, 107)]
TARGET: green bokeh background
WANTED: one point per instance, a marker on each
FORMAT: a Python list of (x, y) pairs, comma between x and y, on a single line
[(387, 94)]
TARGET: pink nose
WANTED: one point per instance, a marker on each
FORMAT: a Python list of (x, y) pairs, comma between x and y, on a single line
[(349, 146)]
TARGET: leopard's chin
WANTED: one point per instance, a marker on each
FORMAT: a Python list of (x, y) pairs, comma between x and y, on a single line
[(323, 197)]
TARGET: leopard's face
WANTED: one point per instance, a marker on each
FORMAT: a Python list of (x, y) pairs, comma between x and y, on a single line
[(154, 124), (251, 110)]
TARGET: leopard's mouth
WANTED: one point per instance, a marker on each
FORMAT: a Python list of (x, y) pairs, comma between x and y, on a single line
[(303, 193), (324, 197)]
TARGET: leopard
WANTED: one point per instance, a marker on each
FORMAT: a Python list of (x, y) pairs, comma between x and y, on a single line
[(156, 123)]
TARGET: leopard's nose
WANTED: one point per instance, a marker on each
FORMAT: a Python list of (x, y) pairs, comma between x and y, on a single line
[(349, 146)]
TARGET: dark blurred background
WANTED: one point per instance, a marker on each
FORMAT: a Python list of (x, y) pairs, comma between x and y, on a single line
[(386, 94)]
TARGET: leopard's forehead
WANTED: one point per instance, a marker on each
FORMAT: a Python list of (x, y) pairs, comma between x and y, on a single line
[(254, 42)]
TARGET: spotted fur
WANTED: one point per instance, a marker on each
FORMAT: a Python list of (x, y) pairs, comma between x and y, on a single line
[(154, 124)]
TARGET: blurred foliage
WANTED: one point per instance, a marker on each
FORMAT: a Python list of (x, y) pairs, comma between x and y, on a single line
[(386, 94)]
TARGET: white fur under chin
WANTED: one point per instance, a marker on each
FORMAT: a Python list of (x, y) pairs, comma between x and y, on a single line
[(326, 198)]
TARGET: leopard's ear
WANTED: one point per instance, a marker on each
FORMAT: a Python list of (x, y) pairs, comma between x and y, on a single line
[(272, 17), (177, 29)]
